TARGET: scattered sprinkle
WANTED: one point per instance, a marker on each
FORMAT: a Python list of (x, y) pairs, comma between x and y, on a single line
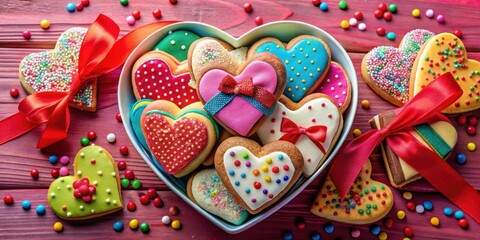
[(429, 13), (40, 209), (362, 27), (471, 146), (416, 13), (248, 7), (448, 211), (118, 226), (407, 195), (26, 205), (328, 227), (401, 214), (176, 224), (71, 7), (375, 229), (356, 132), (435, 221), (133, 224), (45, 24), (459, 214), (58, 227), (324, 6)]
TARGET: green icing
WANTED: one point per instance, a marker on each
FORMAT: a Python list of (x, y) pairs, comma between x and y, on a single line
[(102, 174), (433, 139), (177, 44)]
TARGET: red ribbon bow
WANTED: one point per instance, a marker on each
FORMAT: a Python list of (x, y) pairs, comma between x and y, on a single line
[(228, 85), (316, 133), (99, 54), (425, 106)]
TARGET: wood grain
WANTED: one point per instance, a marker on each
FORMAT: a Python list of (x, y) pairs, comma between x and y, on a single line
[(19, 156)]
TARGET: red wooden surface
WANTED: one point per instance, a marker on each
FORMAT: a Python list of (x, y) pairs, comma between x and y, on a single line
[(19, 156)]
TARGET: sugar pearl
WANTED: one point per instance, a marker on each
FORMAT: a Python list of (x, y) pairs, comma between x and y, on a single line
[(111, 138), (353, 22), (362, 27)]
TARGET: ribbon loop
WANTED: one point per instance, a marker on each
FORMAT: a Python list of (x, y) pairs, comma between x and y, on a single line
[(317, 134)]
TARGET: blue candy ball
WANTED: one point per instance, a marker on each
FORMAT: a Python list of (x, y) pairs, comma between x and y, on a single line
[(71, 7), (118, 226), (287, 235), (315, 236), (40, 210), (328, 227), (459, 215), (428, 205), (53, 159), (323, 6), (26, 205), (448, 211), (375, 229), (461, 158)]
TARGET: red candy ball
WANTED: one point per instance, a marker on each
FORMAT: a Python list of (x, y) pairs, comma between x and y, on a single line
[(458, 33), (387, 16), (144, 200), (471, 130), (388, 222), (157, 13), (472, 121), (124, 150), (136, 14), (55, 173), (463, 223), (248, 7), (381, 31), (91, 135), (173, 1), (26, 34), (8, 200), (378, 14), (14, 92), (122, 165), (131, 206), (118, 117), (152, 193), (34, 173), (129, 174), (316, 2), (410, 206), (259, 21), (382, 7), (79, 6), (462, 119), (358, 15), (408, 231), (86, 2), (158, 202)]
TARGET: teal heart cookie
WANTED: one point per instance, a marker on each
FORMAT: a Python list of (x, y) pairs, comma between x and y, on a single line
[(306, 60), (135, 116)]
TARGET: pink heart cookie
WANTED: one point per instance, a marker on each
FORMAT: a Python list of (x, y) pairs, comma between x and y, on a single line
[(264, 75), (53, 70), (337, 86), (158, 76)]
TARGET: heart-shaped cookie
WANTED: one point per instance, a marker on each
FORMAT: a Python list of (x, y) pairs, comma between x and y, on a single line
[(158, 76), (250, 92), (313, 125), (438, 134), (177, 43), (387, 69), (306, 60), (337, 86), (446, 53), (257, 176), (93, 191), (207, 190), (367, 201), (179, 138), (53, 70)]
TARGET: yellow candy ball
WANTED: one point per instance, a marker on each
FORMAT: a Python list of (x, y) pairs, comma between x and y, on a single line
[(407, 195), (416, 13), (406, 238), (58, 227), (400, 214), (45, 24), (471, 146), (345, 24), (356, 132), (176, 224), (133, 224), (382, 236), (435, 221)]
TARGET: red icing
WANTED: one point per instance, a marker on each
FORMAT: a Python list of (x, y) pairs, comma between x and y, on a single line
[(154, 80), (83, 190), (175, 146)]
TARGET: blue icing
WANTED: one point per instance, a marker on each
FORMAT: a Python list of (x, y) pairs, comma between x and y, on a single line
[(307, 54)]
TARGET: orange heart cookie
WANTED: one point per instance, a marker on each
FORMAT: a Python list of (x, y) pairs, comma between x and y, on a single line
[(366, 202), (93, 191), (446, 53)]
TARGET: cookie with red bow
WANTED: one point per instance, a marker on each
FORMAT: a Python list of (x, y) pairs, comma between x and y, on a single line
[(159, 76), (257, 176), (313, 125), (180, 139), (240, 98)]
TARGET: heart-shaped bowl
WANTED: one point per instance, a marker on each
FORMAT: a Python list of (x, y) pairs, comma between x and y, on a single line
[(284, 31)]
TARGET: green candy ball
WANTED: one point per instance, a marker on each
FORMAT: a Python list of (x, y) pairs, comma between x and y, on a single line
[(84, 141), (124, 2), (343, 5), (393, 8), (125, 183), (136, 184), (144, 227)]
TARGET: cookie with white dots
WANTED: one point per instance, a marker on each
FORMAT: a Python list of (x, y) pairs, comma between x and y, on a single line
[(306, 59), (93, 191), (313, 125), (158, 76), (337, 86), (177, 43), (179, 139), (258, 176)]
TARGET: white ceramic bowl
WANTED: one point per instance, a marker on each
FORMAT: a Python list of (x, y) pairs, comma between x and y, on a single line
[(283, 30)]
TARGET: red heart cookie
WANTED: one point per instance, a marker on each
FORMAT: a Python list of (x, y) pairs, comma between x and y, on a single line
[(158, 76), (179, 139), (257, 176)]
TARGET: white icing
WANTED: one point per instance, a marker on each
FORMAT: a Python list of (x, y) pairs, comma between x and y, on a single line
[(303, 117), (272, 187)]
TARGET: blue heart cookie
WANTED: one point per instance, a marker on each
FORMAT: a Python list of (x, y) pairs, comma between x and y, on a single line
[(306, 60)]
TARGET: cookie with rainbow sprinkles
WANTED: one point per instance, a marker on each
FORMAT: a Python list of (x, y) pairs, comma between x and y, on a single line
[(53, 70)]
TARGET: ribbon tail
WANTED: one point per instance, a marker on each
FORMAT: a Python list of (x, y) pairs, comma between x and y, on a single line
[(347, 165), (57, 126), (437, 172), (15, 126), (319, 146)]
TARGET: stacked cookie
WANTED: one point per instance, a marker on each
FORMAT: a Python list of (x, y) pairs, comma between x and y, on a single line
[(263, 115)]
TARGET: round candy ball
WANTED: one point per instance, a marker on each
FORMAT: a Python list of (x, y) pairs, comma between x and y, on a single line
[(382, 236), (131, 206), (358, 15), (125, 182), (130, 20), (391, 36), (118, 116), (463, 223), (124, 2), (429, 13), (158, 202), (393, 8), (459, 214), (471, 130), (328, 227), (375, 229), (124, 150), (118, 226), (378, 13), (63, 171), (58, 227), (416, 13), (133, 224), (157, 13), (343, 5), (448, 211), (401, 214), (315, 236), (40, 209), (435, 221), (458, 33), (26, 205), (408, 231), (64, 160), (45, 24), (176, 224), (136, 184), (407, 195), (356, 132), (428, 205), (382, 7), (8, 200), (111, 138), (258, 21), (71, 7), (353, 22), (461, 158), (27, 35), (324, 6), (287, 235), (344, 24), (249, 8), (471, 146), (84, 141), (362, 27), (144, 227), (53, 159), (355, 232), (380, 31), (166, 220), (420, 209), (440, 18)]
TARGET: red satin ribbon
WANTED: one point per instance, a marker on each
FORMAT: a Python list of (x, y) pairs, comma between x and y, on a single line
[(99, 54), (316, 133), (426, 105), (228, 85)]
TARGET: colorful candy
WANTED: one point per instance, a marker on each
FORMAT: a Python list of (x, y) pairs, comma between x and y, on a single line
[(463, 223), (40, 209), (124, 150), (136, 184), (52, 159), (131, 206), (378, 14), (85, 3), (440, 18), (383, 236), (158, 202), (130, 20), (316, 2), (462, 119), (176, 224), (133, 224), (428, 205), (144, 227), (365, 104), (7, 199), (315, 236), (300, 223), (57, 227), (471, 146), (382, 7), (461, 158), (387, 16), (356, 132), (166, 220), (122, 165), (388, 222), (393, 8), (157, 13), (343, 5), (136, 14), (391, 36), (84, 141), (420, 209), (45, 24), (27, 35), (173, 2), (287, 235), (401, 214), (144, 200), (362, 27), (118, 226), (26, 205), (344, 24), (71, 7), (458, 33), (435, 221), (63, 171), (152, 193), (118, 117), (408, 231), (459, 215), (174, 210), (354, 232), (407, 195), (429, 13), (64, 160), (471, 130), (324, 6), (91, 135), (328, 227), (448, 211), (249, 8), (55, 173), (380, 31), (353, 22), (259, 21), (416, 13), (410, 206), (358, 15), (125, 182), (375, 229), (34, 173), (124, 2), (79, 7)]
